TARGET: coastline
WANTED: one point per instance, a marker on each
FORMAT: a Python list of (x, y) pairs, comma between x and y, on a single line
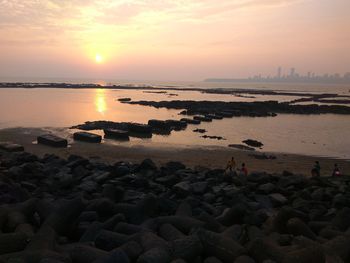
[(206, 156)]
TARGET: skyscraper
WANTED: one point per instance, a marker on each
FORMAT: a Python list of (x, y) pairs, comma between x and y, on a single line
[(279, 72), (292, 72)]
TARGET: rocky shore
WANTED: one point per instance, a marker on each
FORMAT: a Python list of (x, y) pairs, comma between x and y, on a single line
[(236, 109), (84, 210)]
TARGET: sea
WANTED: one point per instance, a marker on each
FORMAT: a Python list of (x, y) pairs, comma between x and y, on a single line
[(326, 135)]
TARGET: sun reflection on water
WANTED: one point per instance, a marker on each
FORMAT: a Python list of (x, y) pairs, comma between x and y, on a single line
[(100, 101)]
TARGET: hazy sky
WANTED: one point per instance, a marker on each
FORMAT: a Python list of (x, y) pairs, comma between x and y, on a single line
[(172, 39)]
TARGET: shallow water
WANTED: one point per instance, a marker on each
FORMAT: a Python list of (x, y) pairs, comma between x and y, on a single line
[(323, 135)]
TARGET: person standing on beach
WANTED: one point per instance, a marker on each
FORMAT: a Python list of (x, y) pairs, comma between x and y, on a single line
[(231, 165), (244, 170), (336, 171), (317, 168)]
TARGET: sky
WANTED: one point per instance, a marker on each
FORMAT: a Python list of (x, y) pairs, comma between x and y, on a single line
[(172, 39)]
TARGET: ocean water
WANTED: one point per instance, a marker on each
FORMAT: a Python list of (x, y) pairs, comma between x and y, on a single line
[(320, 135)]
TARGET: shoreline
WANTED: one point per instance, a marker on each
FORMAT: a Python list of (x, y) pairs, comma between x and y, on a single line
[(213, 157)]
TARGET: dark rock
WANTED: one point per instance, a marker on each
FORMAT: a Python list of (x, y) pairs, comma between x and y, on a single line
[(169, 232), (202, 118), (82, 253), (187, 248), (168, 180), (88, 186), (114, 193), (213, 137), (121, 169), (184, 209), (127, 229), (264, 249), (199, 187), (253, 143), (342, 219), (241, 147), (108, 240), (182, 189), (219, 246), (212, 260), (310, 254), (147, 164), (140, 129), (117, 255), (244, 259), (124, 99), (11, 147), (87, 137), (267, 188), (116, 134), (200, 130), (234, 215), (52, 140), (234, 232), (339, 246), (155, 255), (172, 167), (297, 227), (12, 242), (278, 199), (191, 121), (132, 249)]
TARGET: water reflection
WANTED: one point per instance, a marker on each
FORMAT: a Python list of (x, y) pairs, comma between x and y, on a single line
[(100, 101)]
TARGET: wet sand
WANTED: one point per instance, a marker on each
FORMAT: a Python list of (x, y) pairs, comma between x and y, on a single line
[(206, 156)]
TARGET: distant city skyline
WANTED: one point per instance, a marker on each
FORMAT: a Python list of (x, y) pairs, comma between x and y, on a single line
[(291, 75)]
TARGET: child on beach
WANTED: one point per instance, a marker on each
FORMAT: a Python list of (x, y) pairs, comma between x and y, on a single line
[(336, 171), (244, 170)]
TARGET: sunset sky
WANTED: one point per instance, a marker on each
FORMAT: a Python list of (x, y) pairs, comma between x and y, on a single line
[(172, 40)]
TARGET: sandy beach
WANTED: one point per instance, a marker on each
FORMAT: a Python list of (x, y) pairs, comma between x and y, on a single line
[(192, 156)]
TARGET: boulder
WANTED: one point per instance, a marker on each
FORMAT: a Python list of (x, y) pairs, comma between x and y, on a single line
[(11, 147), (191, 121), (187, 248), (182, 189), (87, 137), (220, 246), (278, 199), (244, 259), (116, 134), (52, 140), (297, 227), (155, 255), (253, 143), (266, 188), (309, 254)]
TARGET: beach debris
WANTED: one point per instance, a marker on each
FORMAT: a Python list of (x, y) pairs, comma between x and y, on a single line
[(87, 137), (52, 140)]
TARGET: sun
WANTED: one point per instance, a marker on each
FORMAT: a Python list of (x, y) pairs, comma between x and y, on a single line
[(98, 58)]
